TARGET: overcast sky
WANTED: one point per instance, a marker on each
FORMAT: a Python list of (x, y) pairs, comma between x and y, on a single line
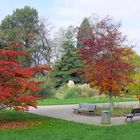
[(71, 12)]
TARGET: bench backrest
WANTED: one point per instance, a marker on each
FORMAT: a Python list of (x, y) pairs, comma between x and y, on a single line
[(135, 110), (87, 106)]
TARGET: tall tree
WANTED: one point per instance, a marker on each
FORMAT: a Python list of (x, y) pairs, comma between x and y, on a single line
[(42, 46), (134, 88), (84, 32), (57, 42), (27, 28), (105, 54), (67, 67), (22, 27), (17, 90)]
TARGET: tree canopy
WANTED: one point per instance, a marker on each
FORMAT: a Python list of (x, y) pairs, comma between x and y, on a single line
[(67, 68), (28, 29), (134, 88), (84, 32), (17, 90), (20, 26), (105, 56)]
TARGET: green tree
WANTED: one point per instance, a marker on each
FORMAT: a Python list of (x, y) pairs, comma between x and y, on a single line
[(134, 88), (22, 27), (84, 32), (28, 29), (67, 68)]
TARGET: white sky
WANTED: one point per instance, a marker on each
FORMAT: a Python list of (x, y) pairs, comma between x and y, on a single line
[(62, 13)]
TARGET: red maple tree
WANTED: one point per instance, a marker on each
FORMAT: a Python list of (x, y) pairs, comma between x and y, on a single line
[(106, 58), (17, 90)]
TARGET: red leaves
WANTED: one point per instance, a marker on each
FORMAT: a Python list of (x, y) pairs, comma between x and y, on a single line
[(16, 89), (105, 60), (10, 54)]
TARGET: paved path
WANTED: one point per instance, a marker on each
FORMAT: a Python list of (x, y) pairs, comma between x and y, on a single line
[(66, 112)]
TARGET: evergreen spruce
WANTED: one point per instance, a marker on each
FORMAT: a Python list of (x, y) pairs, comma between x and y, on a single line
[(84, 32), (68, 67)]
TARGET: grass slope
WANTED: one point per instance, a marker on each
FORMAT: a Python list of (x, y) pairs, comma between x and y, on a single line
[(79, 100), (56, 129)]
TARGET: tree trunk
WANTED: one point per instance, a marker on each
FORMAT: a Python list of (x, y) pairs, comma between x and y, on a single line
[(111, 100), (138, 96), (139, 102)]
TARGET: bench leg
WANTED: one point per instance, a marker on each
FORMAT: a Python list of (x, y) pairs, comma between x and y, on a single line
[(126, 119), (76, 111)]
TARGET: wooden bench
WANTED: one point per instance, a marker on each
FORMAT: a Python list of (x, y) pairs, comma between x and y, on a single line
[(85, 107), (134, 112)]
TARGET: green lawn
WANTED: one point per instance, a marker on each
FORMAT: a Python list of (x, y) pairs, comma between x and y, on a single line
[(79, 100), (56, 129)]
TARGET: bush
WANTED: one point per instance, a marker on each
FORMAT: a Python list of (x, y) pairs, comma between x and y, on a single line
[(72, 93), (66, 92), (85, 92), (60, 92), (47, 88)]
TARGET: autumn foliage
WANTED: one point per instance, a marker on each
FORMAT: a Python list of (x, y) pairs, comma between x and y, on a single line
[(105, 55), (17, 91)]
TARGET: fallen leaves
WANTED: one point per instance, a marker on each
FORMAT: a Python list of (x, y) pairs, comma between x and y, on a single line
[(16, 124)]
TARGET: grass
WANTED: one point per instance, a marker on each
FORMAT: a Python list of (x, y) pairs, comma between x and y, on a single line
[(117, 112), (79, 100), (56, 129)]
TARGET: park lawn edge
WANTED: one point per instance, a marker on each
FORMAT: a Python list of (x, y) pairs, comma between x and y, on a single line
[(79, 100)]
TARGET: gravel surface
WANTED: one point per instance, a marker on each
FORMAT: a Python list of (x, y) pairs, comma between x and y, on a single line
[(66, 112)]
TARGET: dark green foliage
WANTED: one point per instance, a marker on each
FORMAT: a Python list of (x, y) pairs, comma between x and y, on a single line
[(25, 27), (47, 88), (21, 26), (84, 32), (68, 67)]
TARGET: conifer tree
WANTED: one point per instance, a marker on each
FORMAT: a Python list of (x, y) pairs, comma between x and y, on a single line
[(67, 68), (84, 32)]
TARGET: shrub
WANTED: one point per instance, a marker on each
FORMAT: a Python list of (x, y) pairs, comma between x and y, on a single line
[(85, 92), (47, 89), (60, 92), (66, 92), (72, 93)]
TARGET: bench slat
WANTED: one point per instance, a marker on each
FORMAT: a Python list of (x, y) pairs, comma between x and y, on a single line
[(85, 107), (134, 112)]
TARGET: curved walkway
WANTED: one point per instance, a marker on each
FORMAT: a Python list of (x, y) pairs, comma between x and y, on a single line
[(66, 112)]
